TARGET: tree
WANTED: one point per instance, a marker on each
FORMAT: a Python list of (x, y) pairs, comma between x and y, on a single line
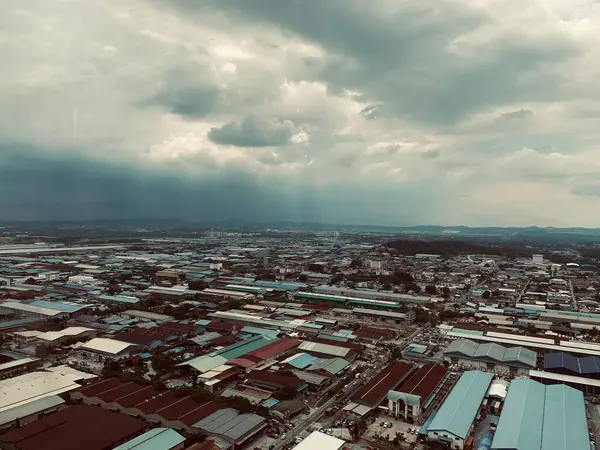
[(486, 295), (446, 291), (431, 289), (404, 277), (234, 303), (30, 280), (286, 393), (412, 287), (387, 287), (197, 285)]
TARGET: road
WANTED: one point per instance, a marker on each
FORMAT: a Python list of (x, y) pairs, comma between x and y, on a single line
[(573, 298), (523, 291), (358, 383)]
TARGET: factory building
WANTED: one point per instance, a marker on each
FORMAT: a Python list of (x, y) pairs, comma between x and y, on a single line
[(455, 419), (491, 357), (542, 417)]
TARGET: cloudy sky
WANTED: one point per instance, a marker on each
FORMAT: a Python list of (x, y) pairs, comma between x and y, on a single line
[(390, 112)]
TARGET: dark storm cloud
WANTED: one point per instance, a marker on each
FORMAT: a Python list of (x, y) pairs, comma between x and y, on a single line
[(34, 185), (402, 57), (253, 132), (188, 92)]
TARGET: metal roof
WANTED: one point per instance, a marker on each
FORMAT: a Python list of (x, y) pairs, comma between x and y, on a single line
[(565, 423), (542, 417), (229, 423), (521, 422), (27, 409), (155, 439), (325, 349), (458, 411), (106, 345), (321, 441), (492, 352)]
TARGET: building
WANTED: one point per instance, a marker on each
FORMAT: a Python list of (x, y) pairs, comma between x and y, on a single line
[(19, 366), (230, 425), (490, 357), (320, 441), (164, 408), (375, 391), (54, 338), (30, 412), (105, 348), (155, 439), (147, 316), (542, 417), (273, 381), (408, 400), (563, 363), (454, 420), (24, 389), (75, 428), (26, 310)]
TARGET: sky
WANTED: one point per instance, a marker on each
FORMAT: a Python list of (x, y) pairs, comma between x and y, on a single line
[(381, 112)]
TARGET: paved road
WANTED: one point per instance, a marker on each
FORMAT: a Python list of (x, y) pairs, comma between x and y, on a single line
[(316, 414), (573, 298), (522, 292)]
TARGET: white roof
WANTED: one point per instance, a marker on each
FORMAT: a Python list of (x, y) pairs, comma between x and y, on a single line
[(105, 345), (325, 349), (67, 370), (148, 315), (30, 387), (17, 362), (53, 335), (31, 308), (321, 441)]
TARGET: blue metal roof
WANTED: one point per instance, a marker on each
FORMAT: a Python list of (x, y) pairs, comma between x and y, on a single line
[(259, 331), (458, 411), (155, 439), (521, 422), (565, 422), (57, 306), (542, 417)]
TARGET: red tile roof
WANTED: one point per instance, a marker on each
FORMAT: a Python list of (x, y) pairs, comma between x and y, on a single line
[(100, 386), (141, 336), (75, 428), (423, 381), (274, 349), (274, 378), (373, 393)]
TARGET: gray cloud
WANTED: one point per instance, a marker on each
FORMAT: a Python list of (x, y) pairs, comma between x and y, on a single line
[(188, 92), (521, 114), (253, 132)]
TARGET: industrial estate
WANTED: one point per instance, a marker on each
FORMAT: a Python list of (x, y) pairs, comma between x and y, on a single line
[(272, 339)]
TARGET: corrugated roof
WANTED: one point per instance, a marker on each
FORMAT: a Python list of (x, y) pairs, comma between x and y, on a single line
[(542, 417), (521, 422), (325, 349), (155, 439), (462, 404), (565, 423), (229, 423), (27, 409), (492, 352)]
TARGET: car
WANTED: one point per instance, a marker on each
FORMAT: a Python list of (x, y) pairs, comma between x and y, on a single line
[(388, 425), (382, 424), (283, 436)]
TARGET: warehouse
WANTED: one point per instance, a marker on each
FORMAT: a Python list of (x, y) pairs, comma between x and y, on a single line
[(225, 293), (19, 366), (105, 348), (585, 366), (491, 357), (542, 417), (230, 425), (375, 391), (54, 338), (24, 389), (455, 418), (25, 310), (77, 427), (320, 441), (408, 400), (155, 439), (588, 386)]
